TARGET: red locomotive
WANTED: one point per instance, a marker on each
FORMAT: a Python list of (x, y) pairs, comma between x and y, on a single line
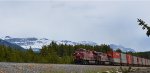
[(83, 56)]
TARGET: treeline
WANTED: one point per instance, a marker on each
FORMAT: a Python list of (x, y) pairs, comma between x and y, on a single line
[(52, 53), (145, 55), (142, 54)]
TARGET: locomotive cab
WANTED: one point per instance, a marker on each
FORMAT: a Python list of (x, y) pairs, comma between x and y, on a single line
[(78, 55)]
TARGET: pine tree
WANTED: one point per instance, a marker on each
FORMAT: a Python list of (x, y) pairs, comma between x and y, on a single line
[(29, 55), (145, 26), (119, 50)]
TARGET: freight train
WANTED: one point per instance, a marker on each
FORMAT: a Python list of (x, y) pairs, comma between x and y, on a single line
[(83, 56)]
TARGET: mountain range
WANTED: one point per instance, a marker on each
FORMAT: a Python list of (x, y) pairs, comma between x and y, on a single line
[(12, 45), (37, 43), (122, 48)]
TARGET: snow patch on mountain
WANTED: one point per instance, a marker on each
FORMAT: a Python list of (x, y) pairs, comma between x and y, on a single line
[(36, 43), (115, 47)]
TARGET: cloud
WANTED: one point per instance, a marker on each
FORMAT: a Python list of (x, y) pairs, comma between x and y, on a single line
[(98, 21)]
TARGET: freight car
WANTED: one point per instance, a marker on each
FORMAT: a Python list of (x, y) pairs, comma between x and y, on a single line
[(114, 58), (83, 56)]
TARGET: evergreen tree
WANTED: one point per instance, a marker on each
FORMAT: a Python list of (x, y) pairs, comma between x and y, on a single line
[(145, 26), (29, 55), (119, 50)]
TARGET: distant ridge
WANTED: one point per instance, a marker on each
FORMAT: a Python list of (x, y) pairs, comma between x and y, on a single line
[(37, 43), (12, 45)]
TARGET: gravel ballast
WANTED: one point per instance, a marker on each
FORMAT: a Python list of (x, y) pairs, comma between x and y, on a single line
[(57, 68)]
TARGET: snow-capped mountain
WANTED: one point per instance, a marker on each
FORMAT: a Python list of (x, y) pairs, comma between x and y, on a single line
[(76, 43), (36, 43), (26, 43), (115, 47)]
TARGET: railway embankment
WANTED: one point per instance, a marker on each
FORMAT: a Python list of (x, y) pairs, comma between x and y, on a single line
[(61, 68)]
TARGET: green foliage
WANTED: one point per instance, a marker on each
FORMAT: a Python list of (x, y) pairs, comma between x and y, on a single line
[(119, 50), (9, 54), (144, 26)]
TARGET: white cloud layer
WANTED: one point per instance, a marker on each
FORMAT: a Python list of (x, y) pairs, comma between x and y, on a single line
[(98, 21)]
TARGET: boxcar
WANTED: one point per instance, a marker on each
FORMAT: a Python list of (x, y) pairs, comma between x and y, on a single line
[(129, 59), (135, 60), (123, 59), (114, 57), (139, 61), (148, 62), (143, 61)]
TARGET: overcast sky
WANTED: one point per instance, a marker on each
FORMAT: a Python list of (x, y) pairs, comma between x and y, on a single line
[(109, 22)]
